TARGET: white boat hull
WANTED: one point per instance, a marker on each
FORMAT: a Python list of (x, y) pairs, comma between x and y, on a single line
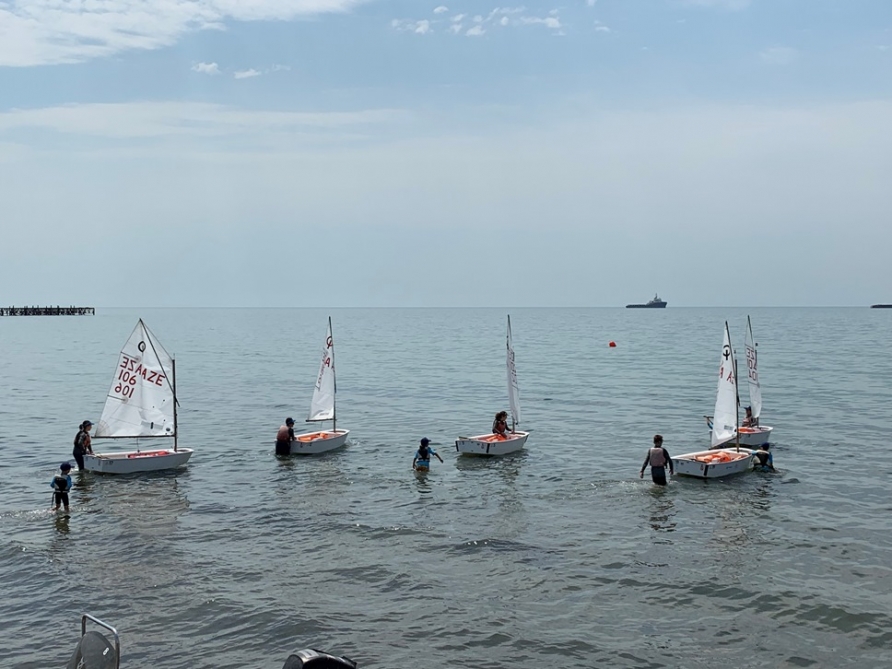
[(750, 436), (755, 436), (313, 443), (132, 462), (491, 444), (713, 464)]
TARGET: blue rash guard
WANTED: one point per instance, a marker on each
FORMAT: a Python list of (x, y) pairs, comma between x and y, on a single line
[(67, 483), (424, 462)]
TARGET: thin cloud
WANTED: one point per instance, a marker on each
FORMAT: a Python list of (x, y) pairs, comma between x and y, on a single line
[(549, 21), (50, 32), (206, 68), (442, 9), (178, 119), (247, 74), (422, 27), (501, 16)]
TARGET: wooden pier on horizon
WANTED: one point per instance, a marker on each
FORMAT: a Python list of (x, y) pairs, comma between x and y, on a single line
[(47, 311)]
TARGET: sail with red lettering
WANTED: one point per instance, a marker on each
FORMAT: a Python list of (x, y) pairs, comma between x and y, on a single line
[(322, 407), (752, 366), (724, 421), (141, 399)]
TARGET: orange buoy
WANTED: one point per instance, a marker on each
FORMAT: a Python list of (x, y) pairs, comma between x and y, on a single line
[(612, 344)]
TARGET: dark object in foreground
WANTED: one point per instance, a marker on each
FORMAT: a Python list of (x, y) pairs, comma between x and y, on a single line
[(316, 659), (95, 651), (655, 303), (47, 311)]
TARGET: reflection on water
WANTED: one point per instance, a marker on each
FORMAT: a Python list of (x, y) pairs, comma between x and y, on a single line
[(422, 484), (662, 509)]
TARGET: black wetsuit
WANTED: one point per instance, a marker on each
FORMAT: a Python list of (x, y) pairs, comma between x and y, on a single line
[(61, 486), (658, 472), (79, 449), (764, 461)]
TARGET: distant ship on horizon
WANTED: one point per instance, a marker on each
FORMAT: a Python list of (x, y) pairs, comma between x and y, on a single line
[(655, 303), (881, 306)]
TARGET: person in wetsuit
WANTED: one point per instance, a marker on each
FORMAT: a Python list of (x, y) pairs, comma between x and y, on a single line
[(422, 460), (658, 458), (82, 444), (284, 437), (61, 484), (763, 461), (500, 424)]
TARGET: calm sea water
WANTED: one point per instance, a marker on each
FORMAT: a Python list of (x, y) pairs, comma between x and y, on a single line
[(558, 556)]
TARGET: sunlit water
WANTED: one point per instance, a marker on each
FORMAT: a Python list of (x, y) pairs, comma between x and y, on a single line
[(556, 557)]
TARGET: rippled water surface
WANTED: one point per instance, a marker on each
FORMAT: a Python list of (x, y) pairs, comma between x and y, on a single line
[(556, 557)]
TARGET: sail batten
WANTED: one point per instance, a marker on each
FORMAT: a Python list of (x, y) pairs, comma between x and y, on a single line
[(141, 398), (752, 365), (513, 390), (322, 406), (724, 423)]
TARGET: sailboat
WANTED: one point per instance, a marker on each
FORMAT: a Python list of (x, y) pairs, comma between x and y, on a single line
[(496, 444), (754, 435), (141, 404), (751, 435), (322, 408), (724, 458)]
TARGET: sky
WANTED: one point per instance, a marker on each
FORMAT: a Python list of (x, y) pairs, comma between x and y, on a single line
[(339, 153)]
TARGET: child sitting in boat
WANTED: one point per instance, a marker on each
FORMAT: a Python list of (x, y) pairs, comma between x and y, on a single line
[(748, 419), (500, 424)]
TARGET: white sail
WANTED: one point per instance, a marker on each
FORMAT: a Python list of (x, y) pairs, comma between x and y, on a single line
[(323, 405), (752, 366), (724, 421), (513, 392), (141, 399)]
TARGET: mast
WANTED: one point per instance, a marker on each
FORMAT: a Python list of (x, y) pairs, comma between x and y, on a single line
[(175, 431), (334, 376), (736, 391), (508, 346)]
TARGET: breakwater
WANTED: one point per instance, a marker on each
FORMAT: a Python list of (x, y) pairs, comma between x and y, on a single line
[(47, 311)]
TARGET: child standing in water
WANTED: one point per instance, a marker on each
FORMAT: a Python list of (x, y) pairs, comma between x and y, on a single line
[(422, 460), (61, 484)]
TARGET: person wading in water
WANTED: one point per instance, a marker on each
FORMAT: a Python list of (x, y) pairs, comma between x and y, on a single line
[(82, 444), (658, 458), (284, 437), (422, 460)]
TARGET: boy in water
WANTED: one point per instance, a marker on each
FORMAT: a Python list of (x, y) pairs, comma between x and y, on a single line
[(658, 458), (422, 460), (763, 460), (61, 484)]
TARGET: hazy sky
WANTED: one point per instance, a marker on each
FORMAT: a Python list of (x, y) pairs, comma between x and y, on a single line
[(349, 153)]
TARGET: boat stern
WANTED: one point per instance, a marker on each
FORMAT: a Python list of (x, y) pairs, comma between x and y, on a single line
[(314, 443), (713, 463), (132, 462), (491, 444)]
